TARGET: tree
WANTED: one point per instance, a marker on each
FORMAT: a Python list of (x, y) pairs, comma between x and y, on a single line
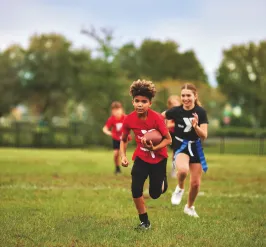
[(104, 38), (242, 77), (190, 68), (101, 78), (48, 76), (11, 65), (128, 59), (159, 61), (102, 73)]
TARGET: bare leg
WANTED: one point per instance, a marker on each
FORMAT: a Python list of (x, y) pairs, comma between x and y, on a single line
[(195, 179), (182, 164), (116, 157), (140, 205)]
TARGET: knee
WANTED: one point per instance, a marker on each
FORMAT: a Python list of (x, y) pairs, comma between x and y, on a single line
[(116, 153), (136, 191), (195, 184), (182, 174), (155, 195)]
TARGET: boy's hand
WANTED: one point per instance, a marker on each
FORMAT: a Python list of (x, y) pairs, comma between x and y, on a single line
[(148, 145), (124, 161)]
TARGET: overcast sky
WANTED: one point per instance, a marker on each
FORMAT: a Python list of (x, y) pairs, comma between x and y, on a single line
[(206, 26)]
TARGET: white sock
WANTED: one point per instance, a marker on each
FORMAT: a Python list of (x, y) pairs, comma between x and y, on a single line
[(177, 189)]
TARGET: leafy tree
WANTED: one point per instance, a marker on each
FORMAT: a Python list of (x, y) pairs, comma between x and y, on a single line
[(48, 75), (104, 38), (190, 68), (128, 58), (242, 77), (11, 65), (159, 61), (101, 79)]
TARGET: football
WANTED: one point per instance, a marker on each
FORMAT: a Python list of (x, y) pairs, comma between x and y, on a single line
[(154, 136)]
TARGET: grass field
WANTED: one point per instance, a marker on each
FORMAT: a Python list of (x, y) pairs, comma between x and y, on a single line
[(71, 198)]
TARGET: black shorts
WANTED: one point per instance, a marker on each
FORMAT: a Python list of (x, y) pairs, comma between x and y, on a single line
[(116, 144), (141, 170), (192, 159)]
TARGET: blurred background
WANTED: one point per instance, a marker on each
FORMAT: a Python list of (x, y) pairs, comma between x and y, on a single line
[(62, 64)]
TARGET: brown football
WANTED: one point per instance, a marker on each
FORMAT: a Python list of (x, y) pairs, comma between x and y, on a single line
[(154, 136)]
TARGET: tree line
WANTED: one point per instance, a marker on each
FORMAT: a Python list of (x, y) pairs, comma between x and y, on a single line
[(52, 78)]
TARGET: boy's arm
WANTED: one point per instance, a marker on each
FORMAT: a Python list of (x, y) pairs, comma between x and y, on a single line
[(123, 149), (166, 141)]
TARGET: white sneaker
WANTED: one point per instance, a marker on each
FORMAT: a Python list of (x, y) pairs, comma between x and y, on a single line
[(177, 196), (190, 211)]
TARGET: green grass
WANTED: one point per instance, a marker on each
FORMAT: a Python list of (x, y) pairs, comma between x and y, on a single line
[(71, 198)]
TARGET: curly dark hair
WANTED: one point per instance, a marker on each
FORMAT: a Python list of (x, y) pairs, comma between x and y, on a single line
[(142, 88)]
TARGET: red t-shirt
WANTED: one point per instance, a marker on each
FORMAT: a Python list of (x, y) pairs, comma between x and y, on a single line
[(154, 120), (115, 124)]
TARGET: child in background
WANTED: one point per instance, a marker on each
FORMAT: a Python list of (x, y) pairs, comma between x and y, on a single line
[(113, 128), (173, 100)]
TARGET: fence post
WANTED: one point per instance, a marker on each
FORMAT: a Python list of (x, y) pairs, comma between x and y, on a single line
[(222, 148), (70, 130), (17, 133), (261, 145)]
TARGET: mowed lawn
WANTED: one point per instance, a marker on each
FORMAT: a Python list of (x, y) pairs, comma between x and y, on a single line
[(72, 198)]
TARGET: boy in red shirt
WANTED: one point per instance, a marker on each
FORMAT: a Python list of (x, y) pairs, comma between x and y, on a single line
[(149, 161), (115, 123)]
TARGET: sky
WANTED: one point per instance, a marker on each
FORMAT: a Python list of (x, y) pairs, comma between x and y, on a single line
[(206, 26)]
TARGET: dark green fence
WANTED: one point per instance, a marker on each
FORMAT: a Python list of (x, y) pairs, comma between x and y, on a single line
[(75, 134), (82, 134), (236, 145)]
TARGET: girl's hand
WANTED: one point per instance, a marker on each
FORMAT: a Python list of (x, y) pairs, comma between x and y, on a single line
[(124, 161), (195, 120)]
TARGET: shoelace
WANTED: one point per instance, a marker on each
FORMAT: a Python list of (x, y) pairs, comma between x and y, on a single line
[(179, 192)]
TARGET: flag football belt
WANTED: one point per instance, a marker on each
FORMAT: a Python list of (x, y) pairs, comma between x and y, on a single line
[(147, 150), (186, 143)]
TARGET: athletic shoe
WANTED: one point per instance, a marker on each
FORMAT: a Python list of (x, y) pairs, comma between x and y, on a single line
[(143, 226), (190, 211), (177, 196), (117, 170)]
